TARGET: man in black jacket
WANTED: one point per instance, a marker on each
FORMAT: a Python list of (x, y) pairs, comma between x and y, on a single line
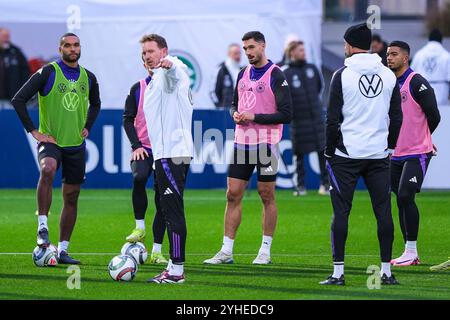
[(16, 70), (222, 94), (308, 123), (379, 46)]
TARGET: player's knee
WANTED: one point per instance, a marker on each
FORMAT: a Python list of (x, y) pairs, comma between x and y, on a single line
[(139, 178), (267, 195), (234, 196), (406, 196), (71, 197), (48, 169)]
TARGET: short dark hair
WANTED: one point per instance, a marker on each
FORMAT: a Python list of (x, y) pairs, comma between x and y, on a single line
[(255, 35), (160, 41), (402, 45), (435, 35), (376, 37), (65, 35)]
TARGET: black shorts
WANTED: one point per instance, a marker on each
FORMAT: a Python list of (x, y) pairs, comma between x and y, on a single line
[(409, 171), (73, 161), (246, 157)]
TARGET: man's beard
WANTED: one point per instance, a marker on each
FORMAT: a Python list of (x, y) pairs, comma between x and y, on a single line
[(66, 57)]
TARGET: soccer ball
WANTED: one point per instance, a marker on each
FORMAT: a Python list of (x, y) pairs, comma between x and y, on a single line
[(136, 250), (45, 257), (122, 268)]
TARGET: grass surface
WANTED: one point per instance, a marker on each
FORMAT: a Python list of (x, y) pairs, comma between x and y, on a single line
[(300, 251)]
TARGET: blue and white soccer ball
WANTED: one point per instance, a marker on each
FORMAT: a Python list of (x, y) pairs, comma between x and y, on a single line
[(136, 250), (45, 257), (122, 268)]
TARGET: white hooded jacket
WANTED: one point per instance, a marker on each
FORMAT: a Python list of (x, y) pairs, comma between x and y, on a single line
[(168, 111), (433, 63), (362, 96)]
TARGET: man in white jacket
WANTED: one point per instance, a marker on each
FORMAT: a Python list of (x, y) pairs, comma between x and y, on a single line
[(433, 63), (364, 119), (168, 113)]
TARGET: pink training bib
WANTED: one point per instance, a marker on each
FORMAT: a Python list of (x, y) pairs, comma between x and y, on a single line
[(139, 122), (415, 136), (257, 97)]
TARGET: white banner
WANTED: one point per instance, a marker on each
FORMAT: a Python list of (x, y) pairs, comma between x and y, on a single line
[(198, 32)]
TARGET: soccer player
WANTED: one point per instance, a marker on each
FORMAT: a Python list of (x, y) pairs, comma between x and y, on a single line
[(415, 148), (363, 122), (141, 165), (261, 105), (168, 113), (65, 90)]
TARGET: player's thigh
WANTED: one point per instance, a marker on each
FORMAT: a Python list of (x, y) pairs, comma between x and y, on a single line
[(171, 173), (344, 174), (377, 177), (267, 165), (242, 164), (49, 157), (413, 175), (396, 168), (74, 166), (180, 168)]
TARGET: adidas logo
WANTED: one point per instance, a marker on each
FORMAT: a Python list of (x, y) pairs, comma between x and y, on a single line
[(168, 191), (285, 84), (414, 180), (423, 88), (269, 169)]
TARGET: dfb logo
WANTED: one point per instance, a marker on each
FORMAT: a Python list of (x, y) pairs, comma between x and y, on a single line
[(371, 86)]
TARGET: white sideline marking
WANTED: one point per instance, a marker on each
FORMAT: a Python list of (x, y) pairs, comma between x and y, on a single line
[(194, 254)]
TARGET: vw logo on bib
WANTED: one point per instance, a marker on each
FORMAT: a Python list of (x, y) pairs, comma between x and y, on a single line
[(71, 101), (248, 99)]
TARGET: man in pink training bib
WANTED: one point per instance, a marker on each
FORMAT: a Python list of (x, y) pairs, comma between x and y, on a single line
[(415, 148), (261, 105)]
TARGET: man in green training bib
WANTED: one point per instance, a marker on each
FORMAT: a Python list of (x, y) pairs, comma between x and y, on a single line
[(69, 102)]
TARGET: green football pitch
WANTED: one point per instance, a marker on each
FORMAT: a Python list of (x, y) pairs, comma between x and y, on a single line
[(301, 251)]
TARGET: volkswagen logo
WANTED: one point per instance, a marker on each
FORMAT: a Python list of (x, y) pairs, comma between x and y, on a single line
[(371, 86), (430, 65)]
